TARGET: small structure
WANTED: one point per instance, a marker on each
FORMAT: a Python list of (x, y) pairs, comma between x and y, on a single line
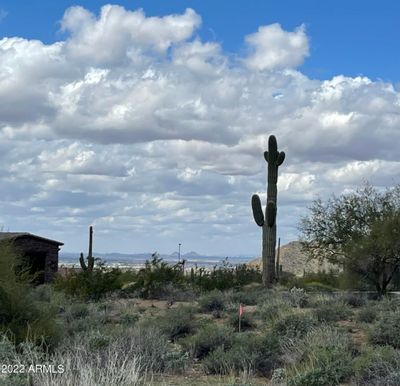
[(39, 253)]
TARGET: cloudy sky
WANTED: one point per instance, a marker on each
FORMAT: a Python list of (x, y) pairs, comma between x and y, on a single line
[(148, 119)]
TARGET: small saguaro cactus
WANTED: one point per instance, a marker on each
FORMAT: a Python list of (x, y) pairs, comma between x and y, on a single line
[(90, 259), (268, 222)]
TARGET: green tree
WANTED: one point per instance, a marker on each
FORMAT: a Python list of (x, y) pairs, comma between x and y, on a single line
[(342, 229), (376, 256)]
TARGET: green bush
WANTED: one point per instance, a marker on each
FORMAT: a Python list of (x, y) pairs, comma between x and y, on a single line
[(250, 352), (268, 350), (332, 311), (77, 311), (246, 321), (89, 285), (129, 318), (177, 322), (234, 360), (354, 300), (294, 325), (226, 276), (208, 338), (367, 314), (274, 307), (378, 366), (156, 278), (249, 298), (213, 301), (297, 297), (322, 357), (386, 330), (321, 376), (388, 304)]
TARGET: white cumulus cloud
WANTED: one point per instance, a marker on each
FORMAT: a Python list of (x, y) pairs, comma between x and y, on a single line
[(274, 48)]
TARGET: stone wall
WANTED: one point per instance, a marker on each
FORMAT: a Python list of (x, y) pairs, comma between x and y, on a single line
[(50, 250)]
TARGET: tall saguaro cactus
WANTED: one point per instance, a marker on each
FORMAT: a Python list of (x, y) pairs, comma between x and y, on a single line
[(268, 222), (90, 258)]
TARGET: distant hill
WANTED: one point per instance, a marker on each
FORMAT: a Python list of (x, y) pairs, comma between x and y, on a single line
[(295, 261), (191, 258)]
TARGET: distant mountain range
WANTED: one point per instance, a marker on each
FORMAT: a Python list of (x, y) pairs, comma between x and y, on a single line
[(292, 259), (191, 258)]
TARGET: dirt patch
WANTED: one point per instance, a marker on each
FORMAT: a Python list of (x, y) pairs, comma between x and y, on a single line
[(357, 334)]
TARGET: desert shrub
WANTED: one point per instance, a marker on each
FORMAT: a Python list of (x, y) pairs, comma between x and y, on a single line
[(245, 274), (180, 293), (129, 318), (246, 321), (322, 357), (176, 360), (386, 330), (273, 308), (127, 278), (297, 297), (261, 352), (388, 304), (177, 322), (77, 311), (354, 299), (332, 311), (249, 298), (116, 362), (208, 338), (317, 299), (156, 277), (212, 301), (250, 352), (226, 276), (22, 315), (97, 340), (321, 376), (367, 314), (46, 293), (88, 285), (231, 361), (24, 353), (378, 367), (143, 340), (294, 325), (268, 350), (279, 377)]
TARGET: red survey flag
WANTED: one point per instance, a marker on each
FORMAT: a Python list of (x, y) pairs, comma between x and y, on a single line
[(240, 309)]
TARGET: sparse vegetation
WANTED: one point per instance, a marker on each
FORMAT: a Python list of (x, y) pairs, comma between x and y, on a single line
[(386, 331), (175, 329), (332, 311)]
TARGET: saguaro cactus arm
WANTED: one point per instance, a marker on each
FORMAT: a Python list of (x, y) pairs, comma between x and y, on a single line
[(82, 261), (281, 158), (257, 210)]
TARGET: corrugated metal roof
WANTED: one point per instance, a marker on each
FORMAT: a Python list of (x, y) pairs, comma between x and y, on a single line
[(15, 235)]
